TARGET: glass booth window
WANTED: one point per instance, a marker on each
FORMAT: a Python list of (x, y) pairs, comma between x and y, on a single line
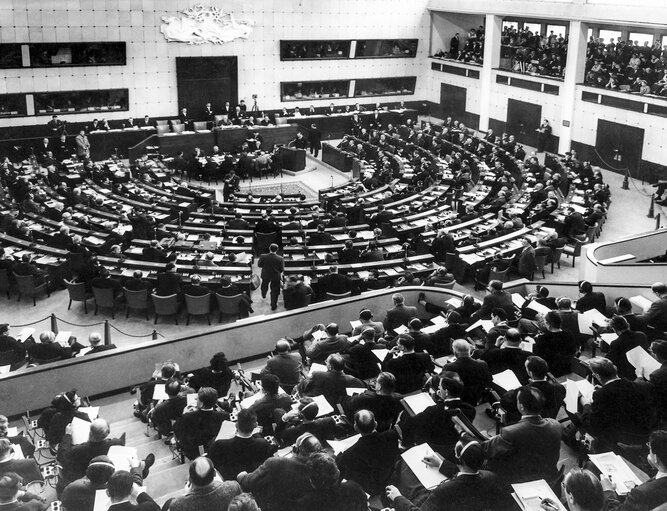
[(385, 86), (385, 48), (302, 91), (81, 101), (10, 56), (12, 105), (608, 35), (297, 50), (77, 54)]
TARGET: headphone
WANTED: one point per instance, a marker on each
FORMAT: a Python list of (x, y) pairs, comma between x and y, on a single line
[(299, 442), (458, 457)]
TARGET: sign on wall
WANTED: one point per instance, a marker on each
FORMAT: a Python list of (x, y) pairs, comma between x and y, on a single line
[(204, 24)]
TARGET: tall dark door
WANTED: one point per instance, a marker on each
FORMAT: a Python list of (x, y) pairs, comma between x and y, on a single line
[(201, 80), (522, 121), (453, 101), (619, 145)]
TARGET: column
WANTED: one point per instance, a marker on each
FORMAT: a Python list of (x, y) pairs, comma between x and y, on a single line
[(575, 70), (492, 34)]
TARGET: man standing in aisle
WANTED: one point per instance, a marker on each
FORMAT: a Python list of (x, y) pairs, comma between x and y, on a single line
[(272, 266), (82, 145)]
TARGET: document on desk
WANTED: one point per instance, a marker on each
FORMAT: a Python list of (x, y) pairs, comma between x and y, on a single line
[(643, 363), (454, 302), (641, 301), (518, 300), (80, 431), (91, 411), (530, 495), (485, 324), (428, 476), (339, 446), (586, 389), (586, 320), (401, 330), (120, 456), (63, 338), (538, 307), (417, 403), (507, 380), (612, 465), (324, 407)]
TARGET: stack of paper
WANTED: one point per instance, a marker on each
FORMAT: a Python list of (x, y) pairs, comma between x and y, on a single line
[(615, 467), (572, 391), (314, 368), (644, 363), (80, 431), (417, 403), (587, 319), (530, 495), (120, 456), (507, 380), (428, 476), (485, 324)]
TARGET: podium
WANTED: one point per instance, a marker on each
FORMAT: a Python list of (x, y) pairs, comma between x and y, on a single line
[(293, 159)]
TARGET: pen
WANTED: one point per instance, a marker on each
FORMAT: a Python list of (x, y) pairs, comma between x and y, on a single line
[(548, 503)]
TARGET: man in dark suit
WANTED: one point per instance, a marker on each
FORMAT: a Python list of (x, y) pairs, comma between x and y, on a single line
[(471, 489), (529, 449), (627, 340), (169, 410), (334, 282), (330, 383), (137, 282), (314, 140), (8, 343), (105, 281), (653, 493), (526, 263), (410, 368), (26, 468), (48, 349), (370, 460), (285, 365), (168, 281), (121, 487), (454, 46), (244, 452), (620, 411), (658, 378), (194, 288), (496, 298), (272, 266), (349, 254), (95, 341), (382, 401), (474, 374), (154, 253), (656, 315), (590, 299), (238, 223), (538, 377), (507, 354), (400, 314)]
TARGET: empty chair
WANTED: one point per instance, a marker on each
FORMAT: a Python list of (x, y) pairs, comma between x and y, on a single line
[(555, 258), (200, 126), (229, 305), (165, 306), (5, 283), (573, 251), (263, 240), (162, 129), (26, 286), (198, 306), (498, 275), (136, 300), (162, 122), (77, 293), (104, 297), (178, 128), (338, 296), (540, 262)]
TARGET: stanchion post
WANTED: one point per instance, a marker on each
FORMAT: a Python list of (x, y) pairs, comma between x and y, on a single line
[(154, 335), (54, 324), (657, 221), (651, 209), (107, 333), (625, 185)]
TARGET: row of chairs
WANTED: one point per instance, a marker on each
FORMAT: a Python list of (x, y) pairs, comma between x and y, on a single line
[(162, 305)]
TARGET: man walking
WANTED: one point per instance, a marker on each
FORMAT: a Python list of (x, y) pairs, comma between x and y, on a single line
[(272, 266)]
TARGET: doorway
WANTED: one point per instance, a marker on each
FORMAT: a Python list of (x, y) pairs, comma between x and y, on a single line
[(522, 120)]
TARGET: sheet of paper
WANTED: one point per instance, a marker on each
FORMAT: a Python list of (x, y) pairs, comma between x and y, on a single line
[(159, 392), (25, 333), (323, 405), (538, 307), (401, 330), (644, 363), (120, 456), (609, 337), (454, 302), (12, 431), (339, 446), (428, 476), (641, 302), (314, 368), (527, 344), (380, 353), (587, 319), (486, 325), (18, 452), (615, 467), (418, 402), (586, 389), (227, 430), (92, 411), (507, 380), (191, 399), (80, 431), (5, 369), (530, 495), (353, 391), (439, 321), (63, 337), (518, 300), (102, 501), (355, 324), (571, 396)]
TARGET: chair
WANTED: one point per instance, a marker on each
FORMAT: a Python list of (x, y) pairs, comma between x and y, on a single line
[(573, 251), (555, 258), (498, 275), (451, 259), (104, 297), (77, 293), (540, 262), (136, 300), (26, 286), (162, 129), (162, 122), (200, 126), (165, 306), (198, 306), (219, 118), (338, 296), (590, 233), (448, 285), (229, 305), (263, 240), (5, 284), (75, 261), (7, 358), (178, 128)]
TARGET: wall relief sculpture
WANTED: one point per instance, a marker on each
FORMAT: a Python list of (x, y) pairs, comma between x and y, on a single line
[(204, 24)]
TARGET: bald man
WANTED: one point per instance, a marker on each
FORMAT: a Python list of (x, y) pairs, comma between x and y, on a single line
[(285, 365), (206, 489)]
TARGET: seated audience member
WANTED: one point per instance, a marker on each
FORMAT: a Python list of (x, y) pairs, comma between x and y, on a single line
[(589, 299), (168, 281), (137, 282), (303, 419), (269, 400), (467, 308), (320, 237), (434, 425), (205, 489), (121, 488), (19, 439), (154, 253), (169, 410), (217, 375), (582, 491), (200, 426), (80, 494), (13, 497), (296, 293), (423, 341), (656, 315), (26, 267), (649, 495), (472, 489), (47, 350), (529, 449), (317, 349), (95, 341), (658, 378), (569, 319), (227, 288), (409, 368), (400, 314), (370, 460), (538, 377), (508, 354), (26, 468), (243, 502), (374, 282), (556, 346), (474, 374), (145, 402), (382, 401), (285, 365), (349, 254), (280, 481), (195, 288), (620, 411), (499, 328), (497, 298), (330, 383), (326, 492), (635, 321), (366, 320), (105, 281), (8, 343), (334, 282), (618, 350), (439, 276), (66, 406), (362, 361)]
